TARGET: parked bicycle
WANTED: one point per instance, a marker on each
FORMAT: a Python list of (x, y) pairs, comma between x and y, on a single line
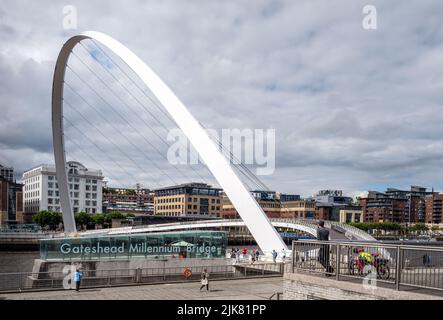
[(357, 265)]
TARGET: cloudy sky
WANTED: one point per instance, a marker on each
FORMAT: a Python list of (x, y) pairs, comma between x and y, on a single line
[(353, 109)]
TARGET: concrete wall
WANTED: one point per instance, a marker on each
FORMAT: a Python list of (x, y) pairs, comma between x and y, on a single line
[(54, 266), (299, 286)]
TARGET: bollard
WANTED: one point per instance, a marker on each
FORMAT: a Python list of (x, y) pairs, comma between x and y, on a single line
[(337, 262), (398, 269)]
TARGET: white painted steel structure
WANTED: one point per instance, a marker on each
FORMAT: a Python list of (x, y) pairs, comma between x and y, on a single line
[(308, 226), (249, 210)]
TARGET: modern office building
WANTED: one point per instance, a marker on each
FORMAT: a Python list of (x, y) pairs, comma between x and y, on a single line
[(332, 197), (266, 199), (40, 191), (190, 199), (275, 205), (329, 205), (137, 201), (7, 172), (297, 209), (11, 202)]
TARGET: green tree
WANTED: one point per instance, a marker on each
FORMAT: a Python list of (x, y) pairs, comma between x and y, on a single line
[(49, 219), (114, 215), (83, 218), (98, 219)]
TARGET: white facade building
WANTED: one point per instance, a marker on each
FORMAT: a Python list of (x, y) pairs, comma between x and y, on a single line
[(40, 191)]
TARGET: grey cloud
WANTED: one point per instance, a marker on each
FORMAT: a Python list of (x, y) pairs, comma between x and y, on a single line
[(351, 108)]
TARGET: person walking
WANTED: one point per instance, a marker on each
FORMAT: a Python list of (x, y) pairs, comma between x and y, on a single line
[(257, 255), (204, 280), (283, 255), (252, 256), (274, 256), (323, 252), (237, 255), (77, 279)]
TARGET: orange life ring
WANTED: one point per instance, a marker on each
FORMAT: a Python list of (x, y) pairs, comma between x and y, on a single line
[(187, 273)]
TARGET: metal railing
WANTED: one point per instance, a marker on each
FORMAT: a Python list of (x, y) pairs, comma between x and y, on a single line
[(395, 265), (29, 281)]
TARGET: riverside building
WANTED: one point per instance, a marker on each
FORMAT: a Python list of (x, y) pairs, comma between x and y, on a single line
[(190, 199), (40, 190)]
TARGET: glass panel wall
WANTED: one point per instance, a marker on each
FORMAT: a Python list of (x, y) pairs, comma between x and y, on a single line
[(185, 244)]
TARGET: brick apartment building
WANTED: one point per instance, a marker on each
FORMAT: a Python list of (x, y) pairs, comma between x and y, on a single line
[(394, 205)]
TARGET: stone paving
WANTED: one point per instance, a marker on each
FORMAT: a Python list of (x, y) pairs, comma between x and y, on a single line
[(244, 289)]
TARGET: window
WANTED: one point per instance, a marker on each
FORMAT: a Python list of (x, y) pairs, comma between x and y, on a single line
[(76, 186), (94, 196), (50, 185), (212, 200), (49, 200), (88, 195), (94, 181), (88, 180), (87, 202), (94, 188), (50, 193), (88, 188), (94, 203), (75, 194), (50, 177)]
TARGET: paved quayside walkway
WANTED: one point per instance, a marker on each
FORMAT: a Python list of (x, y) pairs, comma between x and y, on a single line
[(244, 289)]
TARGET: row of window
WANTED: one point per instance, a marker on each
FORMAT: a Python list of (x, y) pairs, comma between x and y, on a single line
[(32, 194), (181, 200), (178, 207), (33, 186), (175, 214)]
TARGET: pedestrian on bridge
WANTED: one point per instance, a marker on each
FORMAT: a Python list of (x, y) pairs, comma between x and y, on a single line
[(257, 255), (274, 256), (323, 253)]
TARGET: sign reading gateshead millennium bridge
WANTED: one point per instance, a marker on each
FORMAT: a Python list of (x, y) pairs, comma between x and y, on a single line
[(186, 244)]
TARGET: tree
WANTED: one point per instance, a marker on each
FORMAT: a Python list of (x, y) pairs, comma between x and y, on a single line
[(114, 215), (83, 218), (98, 219), (49, 219)]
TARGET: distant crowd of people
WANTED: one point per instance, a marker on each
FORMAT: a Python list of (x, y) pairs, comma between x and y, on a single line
[(253, 255)]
